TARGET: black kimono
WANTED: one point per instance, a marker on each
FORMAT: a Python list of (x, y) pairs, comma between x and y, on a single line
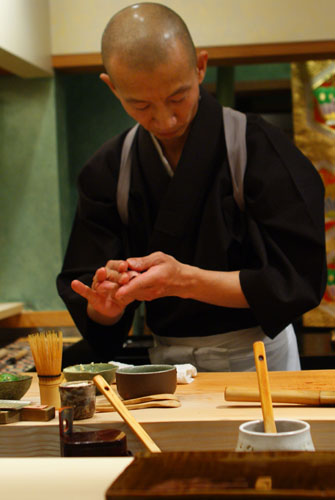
[(277, 242)]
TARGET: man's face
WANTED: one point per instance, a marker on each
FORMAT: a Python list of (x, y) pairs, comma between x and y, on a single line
[(164, 101)]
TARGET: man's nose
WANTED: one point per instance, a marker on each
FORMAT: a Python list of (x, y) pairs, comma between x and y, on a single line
[(165, 119)]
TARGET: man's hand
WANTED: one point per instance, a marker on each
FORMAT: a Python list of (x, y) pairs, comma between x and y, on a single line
[(159, 275), (102, 306)]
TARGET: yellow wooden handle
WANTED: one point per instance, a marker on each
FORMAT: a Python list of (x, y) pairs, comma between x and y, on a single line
[(264, 387), (114, 399)]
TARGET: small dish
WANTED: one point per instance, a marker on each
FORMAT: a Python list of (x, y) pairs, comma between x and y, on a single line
[(88, 371), (145, 380), (15, 389)]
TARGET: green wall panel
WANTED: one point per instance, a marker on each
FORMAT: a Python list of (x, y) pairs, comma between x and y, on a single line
[(269, 71), (30, 252), (88, 115)]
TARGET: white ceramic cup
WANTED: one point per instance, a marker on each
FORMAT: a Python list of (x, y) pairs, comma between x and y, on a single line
[(292, 435)]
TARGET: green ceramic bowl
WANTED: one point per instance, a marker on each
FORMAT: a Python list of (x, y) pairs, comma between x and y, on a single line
[(15, 389), (88, 371)]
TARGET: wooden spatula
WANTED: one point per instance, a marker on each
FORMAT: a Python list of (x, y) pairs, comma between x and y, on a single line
[(122, 410), (264, 387)]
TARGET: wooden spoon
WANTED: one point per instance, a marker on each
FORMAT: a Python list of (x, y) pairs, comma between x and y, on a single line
[(122, 410), (264, 387), (167, 403), (153, 397)]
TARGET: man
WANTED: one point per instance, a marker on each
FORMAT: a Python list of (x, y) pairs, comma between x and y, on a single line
[(214, 278)]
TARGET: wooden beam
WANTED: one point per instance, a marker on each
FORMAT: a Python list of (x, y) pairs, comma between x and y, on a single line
[(38, 319), (256, 86), (73, 63), (270, 52), (224, 55)]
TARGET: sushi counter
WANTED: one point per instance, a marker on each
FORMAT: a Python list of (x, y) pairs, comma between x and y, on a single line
[(203, 421), (197, 438)]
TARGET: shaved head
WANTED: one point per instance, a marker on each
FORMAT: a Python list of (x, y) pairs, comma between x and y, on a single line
[(145, 35)]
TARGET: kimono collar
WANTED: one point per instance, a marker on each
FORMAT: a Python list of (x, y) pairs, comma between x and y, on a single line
[(182, 199)]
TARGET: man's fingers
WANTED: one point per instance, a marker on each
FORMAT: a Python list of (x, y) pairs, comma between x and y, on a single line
[(143, 263), (107, 287), (117, 265), (134, 286), (83, 290), (100, 275)]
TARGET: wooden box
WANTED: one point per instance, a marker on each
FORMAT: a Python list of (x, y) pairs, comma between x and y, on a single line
[(225, 475)]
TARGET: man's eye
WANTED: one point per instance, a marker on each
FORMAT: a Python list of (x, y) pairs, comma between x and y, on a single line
[(177, 99), (141, 107)]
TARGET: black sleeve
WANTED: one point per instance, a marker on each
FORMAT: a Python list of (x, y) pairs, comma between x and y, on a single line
[(284, 198), (96, 237)]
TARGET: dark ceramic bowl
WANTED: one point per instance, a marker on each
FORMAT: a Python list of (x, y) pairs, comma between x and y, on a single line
[(145, 380), (15, 389)]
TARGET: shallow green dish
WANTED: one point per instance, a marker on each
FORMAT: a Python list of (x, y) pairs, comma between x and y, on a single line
[(15, 389), (88, 371)]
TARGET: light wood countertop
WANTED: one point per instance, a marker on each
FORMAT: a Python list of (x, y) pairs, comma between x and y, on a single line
[(205, 421), (59, 478)]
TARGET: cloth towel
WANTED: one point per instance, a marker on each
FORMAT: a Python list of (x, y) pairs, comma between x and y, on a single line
[(185, 372)]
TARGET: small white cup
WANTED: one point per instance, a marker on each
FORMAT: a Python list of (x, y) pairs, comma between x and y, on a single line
[(292, 435)]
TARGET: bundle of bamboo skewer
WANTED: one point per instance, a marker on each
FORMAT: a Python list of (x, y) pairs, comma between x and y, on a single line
[(47, 351)]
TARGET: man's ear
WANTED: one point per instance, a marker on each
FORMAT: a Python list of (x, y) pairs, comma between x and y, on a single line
[(202, 59), (105, 78)]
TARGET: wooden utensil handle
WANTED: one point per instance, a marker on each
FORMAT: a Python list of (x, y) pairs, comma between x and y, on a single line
[(153, 397), (264, 387), (305, 397), (112, 397), (170, 403)]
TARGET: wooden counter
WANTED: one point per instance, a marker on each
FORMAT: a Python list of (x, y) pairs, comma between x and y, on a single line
[(205, 421)]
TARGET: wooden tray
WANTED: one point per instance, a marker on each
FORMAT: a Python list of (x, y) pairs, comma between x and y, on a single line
[(224, 475)]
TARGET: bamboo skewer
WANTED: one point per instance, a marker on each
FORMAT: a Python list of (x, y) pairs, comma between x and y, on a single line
[(302, 396), (122, 410), (264, 387)]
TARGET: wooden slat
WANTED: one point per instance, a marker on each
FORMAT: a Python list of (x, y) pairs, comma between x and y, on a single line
[(221, 55), (32, 319)]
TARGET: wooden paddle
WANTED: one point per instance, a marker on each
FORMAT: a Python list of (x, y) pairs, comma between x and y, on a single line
[(264, 387), (122, 410)]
